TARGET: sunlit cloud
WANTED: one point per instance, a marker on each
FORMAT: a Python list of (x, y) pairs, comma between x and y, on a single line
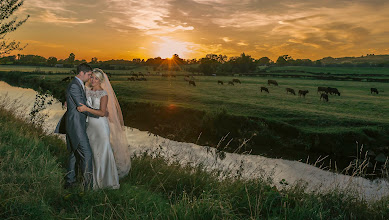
[(226, 39), (50, 17), (149, 16)]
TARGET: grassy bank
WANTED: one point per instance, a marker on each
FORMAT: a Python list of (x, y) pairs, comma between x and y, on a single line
[(277, 124), (31, 179)]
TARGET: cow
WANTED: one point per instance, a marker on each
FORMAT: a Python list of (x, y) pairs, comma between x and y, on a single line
[(303, 93), (270, 81), (236, 81), (264, 89), (322, 89), (290, 90), (375, 90), (131, 79), (324, 96), (333, 91), (230, 83), (134, 74), (220, 82), (191, 82)]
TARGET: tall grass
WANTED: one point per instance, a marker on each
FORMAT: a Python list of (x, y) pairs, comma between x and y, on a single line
[(31, 179)]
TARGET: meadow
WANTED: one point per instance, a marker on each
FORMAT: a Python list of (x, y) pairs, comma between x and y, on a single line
[(33, 166), (277, 124)]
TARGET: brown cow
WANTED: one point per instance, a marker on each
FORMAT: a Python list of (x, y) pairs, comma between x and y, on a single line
[(220, 82), (230, 83), (375, 90), (324, 96), (270, 81), (191, 82), (290, 90), (264, 89), (303, 93)]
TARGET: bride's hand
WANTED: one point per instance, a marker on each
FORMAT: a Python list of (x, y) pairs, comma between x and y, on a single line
[(82, 108)]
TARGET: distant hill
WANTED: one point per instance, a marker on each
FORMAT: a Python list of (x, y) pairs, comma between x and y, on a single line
[(368, 60)]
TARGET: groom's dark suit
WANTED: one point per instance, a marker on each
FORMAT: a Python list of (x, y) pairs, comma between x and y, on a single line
[(76, 138)]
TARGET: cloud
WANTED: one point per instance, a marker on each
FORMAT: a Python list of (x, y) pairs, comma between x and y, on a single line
[(50, 17), (58, 12), (150, 16), (226, 39)]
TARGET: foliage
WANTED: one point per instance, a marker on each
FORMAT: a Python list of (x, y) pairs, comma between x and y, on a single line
[(9, 24)]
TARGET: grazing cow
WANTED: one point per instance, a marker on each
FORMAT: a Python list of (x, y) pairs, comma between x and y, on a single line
[(134, 74), (270, 81), (333, 91), (303, 93), (220, 82), (191, 82), (322, 89), (230, 83), (374, 90), (324, 96), (290, 90), (131, 79), (264, 89), (236, 81)]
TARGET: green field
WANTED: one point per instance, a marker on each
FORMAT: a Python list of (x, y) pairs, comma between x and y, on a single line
[(279, 124)]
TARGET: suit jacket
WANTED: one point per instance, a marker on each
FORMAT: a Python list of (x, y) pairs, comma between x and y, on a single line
[(75, 120)]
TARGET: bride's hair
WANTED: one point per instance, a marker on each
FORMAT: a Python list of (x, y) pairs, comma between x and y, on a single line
[(99, 74)]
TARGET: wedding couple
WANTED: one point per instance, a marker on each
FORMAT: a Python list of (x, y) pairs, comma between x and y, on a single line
[(95, 134)]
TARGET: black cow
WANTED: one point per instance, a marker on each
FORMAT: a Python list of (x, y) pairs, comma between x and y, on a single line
[(324, 96), (375, 90), (264, 89), (333, 91), (220, 82), (290, 90), (236, 81), (322, 89), (191, 82), (303, 93), (270, 81), (230, 83)]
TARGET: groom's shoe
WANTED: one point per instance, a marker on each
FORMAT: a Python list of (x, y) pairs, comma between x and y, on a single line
[(69, 185)]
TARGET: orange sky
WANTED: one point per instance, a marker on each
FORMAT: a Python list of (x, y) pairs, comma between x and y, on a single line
[(127, 29)]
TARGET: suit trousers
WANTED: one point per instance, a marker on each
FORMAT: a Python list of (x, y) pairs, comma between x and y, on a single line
[(81, 156)]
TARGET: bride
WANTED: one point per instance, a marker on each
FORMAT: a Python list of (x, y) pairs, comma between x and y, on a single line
[(111, 158)]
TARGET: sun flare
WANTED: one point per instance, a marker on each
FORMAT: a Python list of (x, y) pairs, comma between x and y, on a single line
[(168, 47)]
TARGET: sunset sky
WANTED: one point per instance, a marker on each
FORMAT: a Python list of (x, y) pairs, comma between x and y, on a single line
[(127, 29)]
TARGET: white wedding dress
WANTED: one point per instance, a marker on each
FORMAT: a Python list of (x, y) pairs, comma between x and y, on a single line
[(105, 174)]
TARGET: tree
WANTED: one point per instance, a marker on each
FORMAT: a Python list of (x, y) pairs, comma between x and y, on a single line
[(9, 24), (94, 60), (52, 61), (71, 58), (283, 60), (263, 61)]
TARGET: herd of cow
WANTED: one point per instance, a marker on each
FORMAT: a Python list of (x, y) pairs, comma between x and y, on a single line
[(324, 91)]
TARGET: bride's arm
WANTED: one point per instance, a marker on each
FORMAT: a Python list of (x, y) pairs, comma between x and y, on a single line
[(99, 112)]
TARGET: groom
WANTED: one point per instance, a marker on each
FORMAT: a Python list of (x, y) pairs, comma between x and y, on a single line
[(76, 138)]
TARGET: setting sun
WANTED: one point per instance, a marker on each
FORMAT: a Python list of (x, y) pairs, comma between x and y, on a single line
[(168, 47)]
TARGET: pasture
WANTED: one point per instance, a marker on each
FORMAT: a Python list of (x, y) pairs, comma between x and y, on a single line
[(279, 124)]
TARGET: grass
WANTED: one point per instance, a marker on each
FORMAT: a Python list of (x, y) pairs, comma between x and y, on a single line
[(278, 124), (32, 170)]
